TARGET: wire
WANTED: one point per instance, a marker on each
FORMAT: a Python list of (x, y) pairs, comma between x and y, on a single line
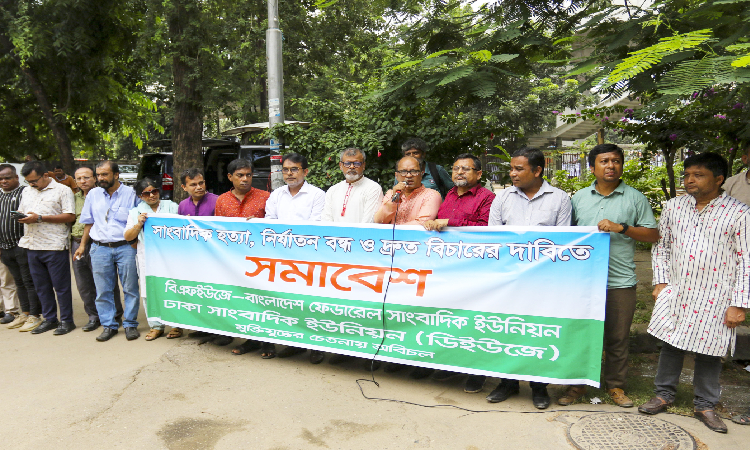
[(382, 306)]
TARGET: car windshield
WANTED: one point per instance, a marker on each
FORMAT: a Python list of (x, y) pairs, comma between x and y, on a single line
[(128, 169)]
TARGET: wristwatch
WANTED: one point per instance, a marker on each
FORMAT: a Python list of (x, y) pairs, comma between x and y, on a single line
[(624, 227), (39, 218)]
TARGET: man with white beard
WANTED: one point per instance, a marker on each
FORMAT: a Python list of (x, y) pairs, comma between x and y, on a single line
[(357, 198), (298, 200)]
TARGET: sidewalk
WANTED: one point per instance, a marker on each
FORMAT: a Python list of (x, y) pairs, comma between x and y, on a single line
[(71, 392)]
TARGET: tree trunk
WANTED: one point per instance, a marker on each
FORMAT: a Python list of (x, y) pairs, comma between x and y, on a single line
[(56, 122), (187, 129)]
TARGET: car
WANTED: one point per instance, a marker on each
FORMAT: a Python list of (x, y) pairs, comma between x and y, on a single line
[(158, 167), (128, 174), (218, 153)]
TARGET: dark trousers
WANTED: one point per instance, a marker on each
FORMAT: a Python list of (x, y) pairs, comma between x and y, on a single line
[(535, 385), (617, 320), (705, 377), (50, 270), (84, 276), (17, 262)]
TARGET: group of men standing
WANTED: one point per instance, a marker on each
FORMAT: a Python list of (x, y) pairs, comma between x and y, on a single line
[(701, 258)]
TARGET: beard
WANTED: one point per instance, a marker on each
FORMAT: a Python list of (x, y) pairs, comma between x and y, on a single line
[(351, 177), (461, 183)]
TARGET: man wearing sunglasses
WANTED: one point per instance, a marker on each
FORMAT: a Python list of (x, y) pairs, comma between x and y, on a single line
[(105, 214), (355, 199), (48, 207)]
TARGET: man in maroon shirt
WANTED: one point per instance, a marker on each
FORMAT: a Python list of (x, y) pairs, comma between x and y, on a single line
[(467, 204)]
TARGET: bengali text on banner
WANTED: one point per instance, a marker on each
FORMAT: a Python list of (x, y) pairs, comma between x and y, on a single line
[(524, 303)]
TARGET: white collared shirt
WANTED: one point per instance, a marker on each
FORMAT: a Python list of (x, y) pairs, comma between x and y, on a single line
[(549, 207), (306, 205), (363, 201), (54, 199)]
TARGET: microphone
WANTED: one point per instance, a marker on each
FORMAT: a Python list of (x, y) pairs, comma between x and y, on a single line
[(396, 197)]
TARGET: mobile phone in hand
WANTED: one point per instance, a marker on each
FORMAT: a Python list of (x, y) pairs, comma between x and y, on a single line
[(17, 215)]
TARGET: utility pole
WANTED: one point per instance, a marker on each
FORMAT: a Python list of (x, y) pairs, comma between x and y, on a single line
[(275, 88)]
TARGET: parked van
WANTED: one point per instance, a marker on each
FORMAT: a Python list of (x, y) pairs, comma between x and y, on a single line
[(217, 154)]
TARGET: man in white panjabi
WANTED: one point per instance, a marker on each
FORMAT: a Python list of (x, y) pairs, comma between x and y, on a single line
[(701, 273)]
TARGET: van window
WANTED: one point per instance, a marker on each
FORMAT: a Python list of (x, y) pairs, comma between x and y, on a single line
[(151, 166)]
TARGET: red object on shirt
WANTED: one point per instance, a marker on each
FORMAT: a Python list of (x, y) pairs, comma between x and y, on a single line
[(470, 209), (253, 205)]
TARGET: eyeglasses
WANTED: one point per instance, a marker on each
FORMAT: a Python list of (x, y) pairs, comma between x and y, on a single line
[(290, 170), (149, 193), (33, 182), (459, 169), (404, 173), (351, 164)]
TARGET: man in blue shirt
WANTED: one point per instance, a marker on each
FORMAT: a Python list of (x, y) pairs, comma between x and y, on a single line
[(105, 214)]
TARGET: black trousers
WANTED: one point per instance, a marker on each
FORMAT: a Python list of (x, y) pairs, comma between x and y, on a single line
[(17, 261)]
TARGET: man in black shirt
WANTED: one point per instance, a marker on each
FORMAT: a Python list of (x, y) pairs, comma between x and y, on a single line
[(13, 256)]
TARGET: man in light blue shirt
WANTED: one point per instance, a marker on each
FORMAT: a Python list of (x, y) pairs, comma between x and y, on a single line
[(530, 202), (104, 215)]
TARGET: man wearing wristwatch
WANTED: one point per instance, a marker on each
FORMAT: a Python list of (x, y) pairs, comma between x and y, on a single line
[(48, 207), (105, 214), (625, 213)]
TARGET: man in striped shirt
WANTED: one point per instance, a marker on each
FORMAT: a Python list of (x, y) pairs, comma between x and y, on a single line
[(13, 256), (701, 271)]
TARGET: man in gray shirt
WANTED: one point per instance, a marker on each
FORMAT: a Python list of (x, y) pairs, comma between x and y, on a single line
[(530, 202)]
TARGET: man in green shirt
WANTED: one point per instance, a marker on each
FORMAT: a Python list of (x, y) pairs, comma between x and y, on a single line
[(82, 271), (625, 213)]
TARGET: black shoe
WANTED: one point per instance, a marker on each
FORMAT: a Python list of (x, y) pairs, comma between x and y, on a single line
[(7, 318), (474, 384), (106, 335), (540, 398), (91, 325), (444, 375), (372, 365), (420, 372), (64, 328), (316, 356), (394, 367), (131, 333), (338, 358), (45, 326), (221, 340), (502, 392), (198, 334)]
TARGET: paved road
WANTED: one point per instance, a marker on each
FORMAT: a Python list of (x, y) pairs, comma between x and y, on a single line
[(71, 392)]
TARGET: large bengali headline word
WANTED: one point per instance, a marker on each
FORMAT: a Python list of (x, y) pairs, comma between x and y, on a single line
[(529, 251), (342, 322)]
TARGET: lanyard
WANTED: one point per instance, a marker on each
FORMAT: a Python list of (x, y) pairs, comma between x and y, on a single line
[(346, 199)]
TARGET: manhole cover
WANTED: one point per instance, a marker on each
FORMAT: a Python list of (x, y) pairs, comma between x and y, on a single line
[(615, 431)]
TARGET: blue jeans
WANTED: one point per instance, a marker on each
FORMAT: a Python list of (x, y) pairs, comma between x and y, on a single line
[(107, 262)]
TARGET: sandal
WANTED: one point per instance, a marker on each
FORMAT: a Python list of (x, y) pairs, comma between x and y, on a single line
[(742, 419), (268, 351), (153, 334), (174, 333), (246, 347)]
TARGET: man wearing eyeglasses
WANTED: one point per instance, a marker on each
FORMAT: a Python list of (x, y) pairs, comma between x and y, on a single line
[(82, 270), (530, 202), (298, 200), (353, 200), (48, 207), (409, 202), (357, 198), (467, 204), (105, 214), (434, 176)]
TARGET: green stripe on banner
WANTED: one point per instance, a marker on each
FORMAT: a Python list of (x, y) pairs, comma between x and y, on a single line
[(525, 347)]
